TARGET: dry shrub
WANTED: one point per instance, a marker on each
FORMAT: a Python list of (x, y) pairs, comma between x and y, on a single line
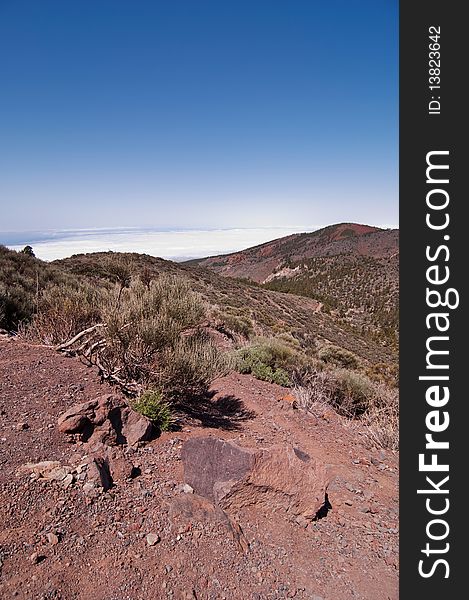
[(145, 334), (193, 364), (352, 393), (315, 396), (64, 310), (382, 419), (354, 396)]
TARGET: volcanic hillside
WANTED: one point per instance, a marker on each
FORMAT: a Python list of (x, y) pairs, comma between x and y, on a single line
[(352, 270)]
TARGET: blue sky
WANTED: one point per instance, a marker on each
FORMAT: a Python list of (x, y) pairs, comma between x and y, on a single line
[(203, 114)]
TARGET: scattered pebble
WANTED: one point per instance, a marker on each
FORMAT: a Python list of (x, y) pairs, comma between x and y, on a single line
[(152, 539), (52, 539)]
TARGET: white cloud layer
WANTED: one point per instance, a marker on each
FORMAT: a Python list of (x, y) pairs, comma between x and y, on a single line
[(175, 245)]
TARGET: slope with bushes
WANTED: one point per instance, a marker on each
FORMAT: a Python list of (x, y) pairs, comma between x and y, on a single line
[(156, 327)]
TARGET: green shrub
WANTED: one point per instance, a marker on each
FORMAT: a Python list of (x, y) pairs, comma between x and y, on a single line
[(151, 404), (338, 357), (266, 373), (268, 360)]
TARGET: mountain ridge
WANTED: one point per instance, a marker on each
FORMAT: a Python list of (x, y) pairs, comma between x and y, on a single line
[(259, 262)]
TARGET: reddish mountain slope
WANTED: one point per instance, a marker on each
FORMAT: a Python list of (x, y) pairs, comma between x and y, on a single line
[(259, 262)]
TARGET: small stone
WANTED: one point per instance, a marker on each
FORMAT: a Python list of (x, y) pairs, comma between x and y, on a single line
[(184, 488), (348, 502), (22, 426), (34, 558), (152, 539), (52, 539), (67, 481)]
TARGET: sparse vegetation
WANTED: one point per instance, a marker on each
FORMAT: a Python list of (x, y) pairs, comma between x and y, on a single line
[(146, 323), (356, 397), (361, 291), (23, 280)]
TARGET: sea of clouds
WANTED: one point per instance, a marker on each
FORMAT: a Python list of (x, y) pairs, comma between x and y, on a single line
[(171, 244)]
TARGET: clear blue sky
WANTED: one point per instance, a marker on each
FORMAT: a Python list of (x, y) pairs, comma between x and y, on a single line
[(198, 113)]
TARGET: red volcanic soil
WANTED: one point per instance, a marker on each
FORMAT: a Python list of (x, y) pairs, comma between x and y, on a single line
[(58, 542)]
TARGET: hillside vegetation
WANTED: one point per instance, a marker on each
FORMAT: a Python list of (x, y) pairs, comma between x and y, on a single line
[(351, 270), (360, 291), (167, 330)]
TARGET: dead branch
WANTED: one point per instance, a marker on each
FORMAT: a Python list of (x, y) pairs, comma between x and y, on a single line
[(77, 337)]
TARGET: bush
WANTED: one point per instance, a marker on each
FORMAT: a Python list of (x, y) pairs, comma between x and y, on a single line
[(23, 281), (268, 359), (338, 356), (382, 418), (150, 331), (238, 324), (352, 393), (28, 250), (354, 396), (142, 333), (193, 364), (266, 373), (151, 404), (65, 309)]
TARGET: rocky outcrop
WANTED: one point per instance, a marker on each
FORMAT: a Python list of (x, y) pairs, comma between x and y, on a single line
[(279, 478), (107, 419)]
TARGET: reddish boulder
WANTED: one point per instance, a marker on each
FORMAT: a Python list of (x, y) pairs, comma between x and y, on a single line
[(279, 478), (76, 418), (209, 462), (107, 419)]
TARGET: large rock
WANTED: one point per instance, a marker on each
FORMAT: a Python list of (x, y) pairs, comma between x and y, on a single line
[(279, 478), (107, 419)]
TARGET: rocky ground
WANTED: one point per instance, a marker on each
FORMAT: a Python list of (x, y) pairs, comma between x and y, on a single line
[(149, 536)]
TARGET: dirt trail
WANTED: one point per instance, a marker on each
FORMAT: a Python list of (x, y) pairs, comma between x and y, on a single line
[(99, 549)]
